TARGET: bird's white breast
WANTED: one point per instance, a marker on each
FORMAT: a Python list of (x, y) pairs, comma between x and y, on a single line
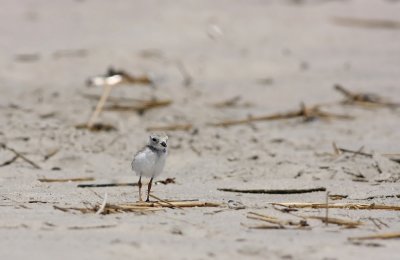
[(149, 163)]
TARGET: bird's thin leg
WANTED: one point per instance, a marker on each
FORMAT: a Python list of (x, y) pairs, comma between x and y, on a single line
[(148, 190), (140, 188)]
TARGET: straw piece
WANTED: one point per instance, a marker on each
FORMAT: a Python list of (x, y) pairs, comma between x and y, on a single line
[(67, 180), (274, 220), (100, 105), (355, 206), (139, 207), (337, 221), (378, 236)]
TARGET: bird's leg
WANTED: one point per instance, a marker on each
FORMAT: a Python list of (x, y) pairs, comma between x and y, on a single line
[(148, 190), (140, 188)]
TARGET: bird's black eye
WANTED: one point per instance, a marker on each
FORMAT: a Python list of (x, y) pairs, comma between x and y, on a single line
[(154, 139)]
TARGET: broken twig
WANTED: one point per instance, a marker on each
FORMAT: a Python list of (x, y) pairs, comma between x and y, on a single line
[(368, 100), (276, 221)]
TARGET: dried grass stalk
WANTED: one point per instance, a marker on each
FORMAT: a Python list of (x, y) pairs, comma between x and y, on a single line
[(378, 236), (337, 221), (67, 180), (139, 207), (355, 206), (307, 113), (274, 220)]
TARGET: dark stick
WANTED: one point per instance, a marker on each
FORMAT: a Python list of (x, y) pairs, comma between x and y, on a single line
[(106, 185), (345, 92), (20, 156), (397, 160), (264, 191), (9, 161), (354, 152)]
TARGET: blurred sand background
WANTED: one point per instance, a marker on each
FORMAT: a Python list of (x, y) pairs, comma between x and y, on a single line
[(273, 55)]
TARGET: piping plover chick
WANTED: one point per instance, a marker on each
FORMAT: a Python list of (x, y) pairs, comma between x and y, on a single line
[(150, 160)]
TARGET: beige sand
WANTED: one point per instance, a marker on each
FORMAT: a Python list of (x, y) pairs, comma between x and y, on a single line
[(273, 54)]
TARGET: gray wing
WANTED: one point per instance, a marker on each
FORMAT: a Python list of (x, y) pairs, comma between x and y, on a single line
[(137, 158)]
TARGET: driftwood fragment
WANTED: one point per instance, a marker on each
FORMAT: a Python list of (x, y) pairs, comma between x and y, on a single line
[(266, 191)]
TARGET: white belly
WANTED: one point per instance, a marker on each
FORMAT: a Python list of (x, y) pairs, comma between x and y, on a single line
[(149, 163)]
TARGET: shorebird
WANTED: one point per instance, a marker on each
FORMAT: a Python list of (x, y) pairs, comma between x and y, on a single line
[(150, 160)]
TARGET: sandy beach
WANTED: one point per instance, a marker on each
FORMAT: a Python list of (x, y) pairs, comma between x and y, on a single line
[(246, 93)]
